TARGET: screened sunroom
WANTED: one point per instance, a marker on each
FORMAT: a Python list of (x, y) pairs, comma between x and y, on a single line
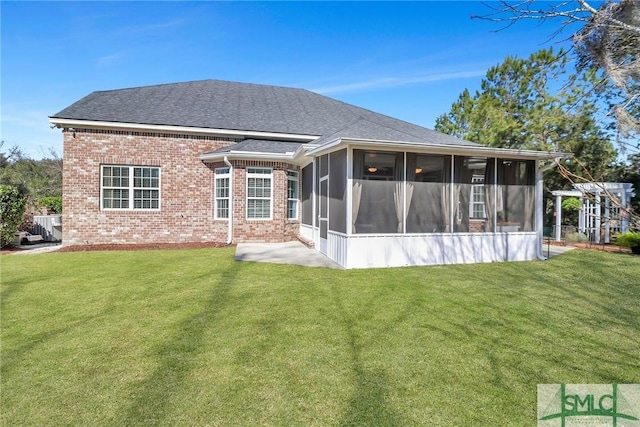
[(366, 205)]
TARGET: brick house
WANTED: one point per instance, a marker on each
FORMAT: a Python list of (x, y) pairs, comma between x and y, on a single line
[(217, 161)]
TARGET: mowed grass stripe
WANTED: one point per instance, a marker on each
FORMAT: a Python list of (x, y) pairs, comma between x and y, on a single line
[(191, 337)]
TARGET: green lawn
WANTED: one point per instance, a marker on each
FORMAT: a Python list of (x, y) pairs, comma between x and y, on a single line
[(192, 338)]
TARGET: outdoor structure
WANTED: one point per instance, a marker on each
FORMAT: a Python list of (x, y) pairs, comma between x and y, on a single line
[(217, 161), (48, 226), (603, 209)]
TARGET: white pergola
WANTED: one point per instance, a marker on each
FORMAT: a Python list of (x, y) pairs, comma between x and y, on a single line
[(614, 197)]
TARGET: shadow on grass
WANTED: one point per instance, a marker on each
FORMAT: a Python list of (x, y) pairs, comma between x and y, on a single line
[(10, 288), (15, 355), (368, 405), (151, 399), (572, 328)]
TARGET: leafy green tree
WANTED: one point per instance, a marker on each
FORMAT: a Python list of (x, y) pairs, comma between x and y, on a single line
[(12, 205), (535, 103), (606, 41), (33, 178), (38, 180), (570, 209)]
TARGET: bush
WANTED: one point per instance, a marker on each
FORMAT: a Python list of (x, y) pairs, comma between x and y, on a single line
[(575, 237), (52, 202), (12, 205), (628, 239)]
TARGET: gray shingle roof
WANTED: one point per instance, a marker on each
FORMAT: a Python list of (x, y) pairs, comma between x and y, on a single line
[(216, 104), (261, 146)]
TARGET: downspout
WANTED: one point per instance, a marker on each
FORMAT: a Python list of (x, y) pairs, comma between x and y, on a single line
[(230, 230), (539, 200)]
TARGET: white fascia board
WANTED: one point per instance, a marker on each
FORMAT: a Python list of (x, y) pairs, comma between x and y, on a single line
[(465, 150), (326, 147), (243, 155), (90, 124), (594, 186), (296, 157), (302, 150), (567, 193)]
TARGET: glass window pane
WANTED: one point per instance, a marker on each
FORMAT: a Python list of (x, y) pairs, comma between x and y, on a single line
[(292, 209), (470, 174), (258, 193), (379, 165)]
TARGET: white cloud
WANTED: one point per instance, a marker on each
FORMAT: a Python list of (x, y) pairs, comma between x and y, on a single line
[(107, 60), (387, 82)]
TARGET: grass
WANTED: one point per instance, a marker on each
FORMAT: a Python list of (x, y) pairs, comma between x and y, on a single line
[(190, 337)]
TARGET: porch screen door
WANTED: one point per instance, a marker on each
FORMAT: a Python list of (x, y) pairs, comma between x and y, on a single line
[(323, 212)]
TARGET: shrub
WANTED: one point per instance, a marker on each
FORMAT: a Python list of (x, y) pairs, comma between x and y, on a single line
[(575, 237), (628, 239), (52, 202), (12, 205)]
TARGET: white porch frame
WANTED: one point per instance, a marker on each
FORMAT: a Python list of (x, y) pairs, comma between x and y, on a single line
[(590, 216), (405, 249)]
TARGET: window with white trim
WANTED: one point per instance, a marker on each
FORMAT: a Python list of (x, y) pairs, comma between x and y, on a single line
[(222, 193), (292, 194), (259, 193), (476, 201), (130, 187)]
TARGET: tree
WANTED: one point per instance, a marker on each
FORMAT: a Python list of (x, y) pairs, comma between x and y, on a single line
[(521, 105), (570, 208), (12, 205), (33, 178), (606, 41)]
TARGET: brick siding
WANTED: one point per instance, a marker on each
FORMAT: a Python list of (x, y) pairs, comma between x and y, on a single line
[(186, 196)]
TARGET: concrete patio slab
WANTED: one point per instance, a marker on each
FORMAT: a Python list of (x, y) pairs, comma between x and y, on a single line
[(551, 251), (283, 253)]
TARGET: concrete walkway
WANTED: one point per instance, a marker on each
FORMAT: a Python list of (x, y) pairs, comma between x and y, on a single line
[(552, 250), (38, 248), (283, 253)]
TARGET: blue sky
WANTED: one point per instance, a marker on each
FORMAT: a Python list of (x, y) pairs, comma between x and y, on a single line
[(409, 60)]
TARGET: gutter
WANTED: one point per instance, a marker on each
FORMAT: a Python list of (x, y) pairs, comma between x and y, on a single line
[(466, 150), (230, 229), (288, 156), (297, 156), (61, 122)]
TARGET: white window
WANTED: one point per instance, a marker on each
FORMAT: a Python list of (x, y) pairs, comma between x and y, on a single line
[(130, 187), (476, 201), (292, 194), (222, 193), (259, 193)]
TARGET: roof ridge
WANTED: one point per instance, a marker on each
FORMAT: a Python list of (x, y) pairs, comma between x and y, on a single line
[(158, 85)]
